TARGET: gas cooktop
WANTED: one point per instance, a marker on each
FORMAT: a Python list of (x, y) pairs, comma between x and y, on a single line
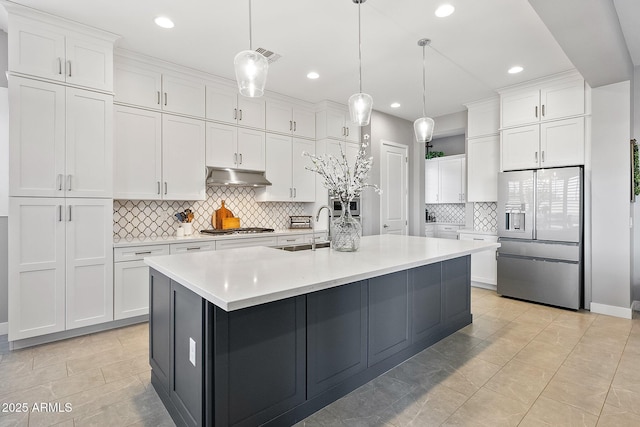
[(244, 230)]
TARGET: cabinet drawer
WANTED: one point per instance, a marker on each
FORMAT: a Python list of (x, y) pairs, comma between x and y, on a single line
[(443, 227), (318, 237), (139, 252), (244, 243), (483, 237), (180, 248), (293, 239)]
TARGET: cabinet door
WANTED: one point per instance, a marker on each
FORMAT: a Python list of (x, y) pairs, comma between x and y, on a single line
[(351, 151), (137, 85), (335, 123), (352, 130), (89, 146), (520, 108), (563, 99), (251, 112), (279, 117), (221, 146), (483, 118), (335, 148), (484, 266), (483, 158), (130, 289), (304, 122), (89, 262), (183, 95), (304, 181), (519, 147), (562, 143), (251, 150), (36, 50), (137, 161), (222, 104), (431, 181), (278, 168), (450, 180), (183, 170), (36, 265), (37, 138), (89, 63)]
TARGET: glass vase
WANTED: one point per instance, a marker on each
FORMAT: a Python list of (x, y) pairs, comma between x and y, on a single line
[(346, 231)]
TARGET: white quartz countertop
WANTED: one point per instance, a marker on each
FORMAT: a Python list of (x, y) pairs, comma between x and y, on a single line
[(202, 237), (238, 278), (472, 231)]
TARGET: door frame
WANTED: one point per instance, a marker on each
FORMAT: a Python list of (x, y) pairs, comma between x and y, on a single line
[(405, 148)]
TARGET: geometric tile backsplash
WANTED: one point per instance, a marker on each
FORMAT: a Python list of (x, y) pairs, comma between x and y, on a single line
[(485, 216), (147, 218), (447, 212)]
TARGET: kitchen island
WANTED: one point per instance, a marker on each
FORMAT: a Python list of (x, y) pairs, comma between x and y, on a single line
[(255, 336)]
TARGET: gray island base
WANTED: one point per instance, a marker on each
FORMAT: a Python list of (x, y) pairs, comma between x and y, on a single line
[(278, 362)]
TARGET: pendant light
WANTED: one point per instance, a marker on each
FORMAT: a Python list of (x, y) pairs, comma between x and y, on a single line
[(251, 69), (360, 104), (423, 127)]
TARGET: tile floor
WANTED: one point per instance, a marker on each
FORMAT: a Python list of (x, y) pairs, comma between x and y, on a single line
[(518, 364)]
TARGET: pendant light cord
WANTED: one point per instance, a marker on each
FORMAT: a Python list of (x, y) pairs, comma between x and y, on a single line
[(424, 82), (250, 35), (359, 48)]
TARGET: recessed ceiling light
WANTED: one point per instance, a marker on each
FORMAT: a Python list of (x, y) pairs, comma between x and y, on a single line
[(395, 105), (444, 10), (164, 22), (313, 75), (515, 70)]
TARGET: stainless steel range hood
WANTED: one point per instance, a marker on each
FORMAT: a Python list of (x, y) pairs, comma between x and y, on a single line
[(236, 178)]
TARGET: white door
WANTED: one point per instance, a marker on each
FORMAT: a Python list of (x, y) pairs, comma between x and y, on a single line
[(251, 112), (394, 184), (335, 124), (221, 103), (183, 152), (279, 117), (137, 85), (431, 181), (520, 108), (36, 266), (89, 144), (304, 122), (278, 162), (251, 149), (131, 289), (183, 95), (304, 181), (450, 180), (563, 99), (37, 138), (519, 148), (562, 143), (137, 164), (89, 63), (221, 146), (89, 250)]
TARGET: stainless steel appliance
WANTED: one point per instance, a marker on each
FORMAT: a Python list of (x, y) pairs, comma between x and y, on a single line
[(354, 206), (540, 229), (244, 230)]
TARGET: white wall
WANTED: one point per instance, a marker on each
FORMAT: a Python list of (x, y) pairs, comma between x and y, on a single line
[(449, 145), (450, 124), (4, 176), (610, 186)]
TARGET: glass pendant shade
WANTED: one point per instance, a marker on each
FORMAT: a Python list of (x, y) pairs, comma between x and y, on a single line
[(423, 127), (251, 73), (360, 105)]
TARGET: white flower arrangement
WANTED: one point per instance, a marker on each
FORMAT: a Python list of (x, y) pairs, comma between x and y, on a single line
[(337, 176)]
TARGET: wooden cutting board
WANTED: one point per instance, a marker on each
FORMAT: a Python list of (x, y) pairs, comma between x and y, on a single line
[(221, 214)]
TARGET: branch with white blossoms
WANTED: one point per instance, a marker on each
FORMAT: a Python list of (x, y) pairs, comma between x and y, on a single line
[(342, 182)]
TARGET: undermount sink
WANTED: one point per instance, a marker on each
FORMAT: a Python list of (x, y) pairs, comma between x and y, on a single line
[(303, 247)]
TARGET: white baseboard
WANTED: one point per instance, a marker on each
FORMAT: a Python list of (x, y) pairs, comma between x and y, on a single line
[(611, 310), (635, 306), (483, 285), (4, 328)]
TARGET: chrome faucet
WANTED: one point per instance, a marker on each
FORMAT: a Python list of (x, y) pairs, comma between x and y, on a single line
[(313, 227)]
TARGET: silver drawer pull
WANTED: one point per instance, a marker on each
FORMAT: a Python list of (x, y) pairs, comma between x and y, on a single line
[(143, 253), (194, 249), (475, 238)]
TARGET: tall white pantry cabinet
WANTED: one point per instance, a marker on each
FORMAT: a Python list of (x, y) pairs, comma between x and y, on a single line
[(60, 175)]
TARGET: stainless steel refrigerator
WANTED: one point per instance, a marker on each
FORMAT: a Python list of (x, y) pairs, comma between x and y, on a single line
[(540, 229)]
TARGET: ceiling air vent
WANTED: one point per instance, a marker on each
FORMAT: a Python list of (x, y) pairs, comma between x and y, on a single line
[(271, 56)]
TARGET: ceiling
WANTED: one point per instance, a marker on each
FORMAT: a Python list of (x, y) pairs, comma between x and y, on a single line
[(470, 53)]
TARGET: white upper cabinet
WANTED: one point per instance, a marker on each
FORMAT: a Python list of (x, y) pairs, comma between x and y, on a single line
[(146, 85), (483, 164), (483, 118), (235, 147), (335, 123), (431, 181), (137, 154), (225, 104), (286, 170), (550, 144), (445, 179), (183, 158), (40, 49), (61, 140), (292, 119), (559, 97)]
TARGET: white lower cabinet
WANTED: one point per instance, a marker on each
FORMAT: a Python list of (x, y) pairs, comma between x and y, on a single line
[(131, 280), (484, 267), (246, 242), (60, 265)]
